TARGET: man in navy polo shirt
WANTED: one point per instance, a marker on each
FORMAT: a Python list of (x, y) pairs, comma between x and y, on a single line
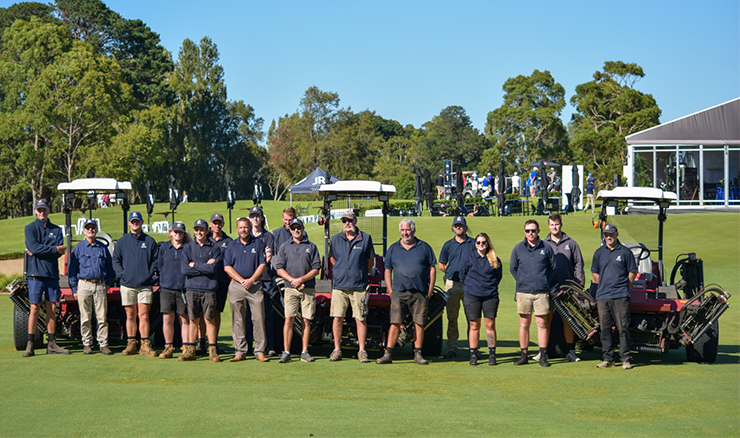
[(90, 275), (298, 263), (135, 262), (172, 288), (44, 245), (614, 269), (200, 262), (222, 240), (245, 262), (410, 272), (352, 256), (449, 262)]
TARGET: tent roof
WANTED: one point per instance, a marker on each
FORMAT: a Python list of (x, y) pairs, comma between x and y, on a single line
[(718, 125), (313, 182)]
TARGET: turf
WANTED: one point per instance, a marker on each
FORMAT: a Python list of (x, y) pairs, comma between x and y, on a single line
[(137, 396)]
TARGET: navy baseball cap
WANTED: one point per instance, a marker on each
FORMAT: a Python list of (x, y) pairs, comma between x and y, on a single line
[(459, 220), (217, 217), (41, 203), (610, 229), (200, 223), (178, 226), (89, 222), (135, 216), (296, 221), (256, 210)]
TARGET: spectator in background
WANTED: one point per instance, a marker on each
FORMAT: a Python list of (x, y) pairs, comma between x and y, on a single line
[(516, 182), (532, 181), (590, 190)]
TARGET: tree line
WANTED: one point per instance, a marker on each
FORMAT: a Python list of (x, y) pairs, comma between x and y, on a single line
[(84, 89)]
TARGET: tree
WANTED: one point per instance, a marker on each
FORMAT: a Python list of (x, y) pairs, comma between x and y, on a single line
[(451, 136), (527, 126), (608, 109)]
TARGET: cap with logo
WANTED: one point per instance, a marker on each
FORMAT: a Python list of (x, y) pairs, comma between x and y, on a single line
[(200, 223), (135, 216), (90, 222), (217, 217), (610, 229), (349, 214), (296, 221), (459, 220), (255, 210), (178, 226), (41, 203)]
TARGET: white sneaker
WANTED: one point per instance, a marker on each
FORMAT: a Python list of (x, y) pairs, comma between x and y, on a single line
[(536, 358), (571, 356)]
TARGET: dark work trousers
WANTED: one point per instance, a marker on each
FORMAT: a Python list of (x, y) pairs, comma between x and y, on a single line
[(270, 333), (615, 313)]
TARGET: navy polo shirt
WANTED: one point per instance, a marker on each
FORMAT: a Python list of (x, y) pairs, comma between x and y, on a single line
[(613, 267), (410, 266), (202, 277), (298, 259), (135, 259), (479, 279), (222, 244), (452, 254), (169, 266), (245, 258), (42, 239), (91, 262), (350, 267)]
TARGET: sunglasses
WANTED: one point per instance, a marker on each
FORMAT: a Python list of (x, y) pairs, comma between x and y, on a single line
[(296, 228), (530, 231), (91, 228), (345, 220), (481, 243)]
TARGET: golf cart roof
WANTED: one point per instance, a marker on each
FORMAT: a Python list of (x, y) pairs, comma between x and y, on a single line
[(372, 188), (638, 194), (88, 184)]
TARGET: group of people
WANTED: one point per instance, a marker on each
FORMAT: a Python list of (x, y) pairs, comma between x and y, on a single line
[(197, 277)]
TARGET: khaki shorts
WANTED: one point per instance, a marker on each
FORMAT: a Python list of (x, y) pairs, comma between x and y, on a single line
[(539, 303), (135, 295), (303, 300), (341, 299)]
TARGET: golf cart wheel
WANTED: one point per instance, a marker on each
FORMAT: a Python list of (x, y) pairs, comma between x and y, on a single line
[(432, 345), (704, 349), (20, 331)]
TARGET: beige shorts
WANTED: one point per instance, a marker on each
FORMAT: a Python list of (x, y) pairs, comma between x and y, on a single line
[(135, 295), (341, 299), (539, 303), (303, 300)]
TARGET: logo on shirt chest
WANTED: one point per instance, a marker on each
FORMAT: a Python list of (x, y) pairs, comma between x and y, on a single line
[(143, 245), (567, 247), (542, 252), (619, 258), (308, 250), (254, 251)]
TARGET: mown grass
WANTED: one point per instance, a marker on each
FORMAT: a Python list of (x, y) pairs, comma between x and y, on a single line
[(136, 396)]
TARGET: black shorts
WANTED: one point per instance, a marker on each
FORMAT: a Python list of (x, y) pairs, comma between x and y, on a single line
[(222, 294), (198, 302), (403, 302), (474, 306), (171, 300)]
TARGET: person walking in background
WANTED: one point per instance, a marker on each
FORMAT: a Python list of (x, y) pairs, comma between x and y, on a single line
[(480, 273)]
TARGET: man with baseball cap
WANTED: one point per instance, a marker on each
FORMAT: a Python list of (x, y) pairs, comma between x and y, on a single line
[(172, 288), (613, 269), (200, 263), (257, 220), (282, 234), (590, 192), (135, 262), (221, 240), (352, 256), (452, 253), (44, 245), (90, 275)]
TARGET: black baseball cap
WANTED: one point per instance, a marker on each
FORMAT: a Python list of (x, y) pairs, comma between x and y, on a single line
[(200, 223)]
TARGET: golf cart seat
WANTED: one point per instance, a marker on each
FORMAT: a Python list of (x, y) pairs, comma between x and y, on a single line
[(642, 259)]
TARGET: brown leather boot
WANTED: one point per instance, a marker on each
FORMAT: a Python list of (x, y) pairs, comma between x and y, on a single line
[(146, 348), (131, 348), (189, 354), (53, 348), (213, 354), (29, 350), (167, 353)]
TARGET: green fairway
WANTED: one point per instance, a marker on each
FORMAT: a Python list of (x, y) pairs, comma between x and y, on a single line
[(101, 395)]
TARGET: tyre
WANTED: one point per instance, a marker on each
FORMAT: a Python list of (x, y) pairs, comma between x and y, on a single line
[(432, 345), (704, 349), (556, 346), (20, 331)]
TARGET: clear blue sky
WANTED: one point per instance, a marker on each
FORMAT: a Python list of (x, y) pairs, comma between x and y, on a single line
[(407, 60)]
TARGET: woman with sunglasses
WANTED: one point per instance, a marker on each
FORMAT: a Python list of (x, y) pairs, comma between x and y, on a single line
[(481, 274)]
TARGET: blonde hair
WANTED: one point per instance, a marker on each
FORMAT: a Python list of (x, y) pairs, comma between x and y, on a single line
[(490, 252)]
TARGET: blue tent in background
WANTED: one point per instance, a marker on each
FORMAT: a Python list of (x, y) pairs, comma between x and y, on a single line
[(312, 182)]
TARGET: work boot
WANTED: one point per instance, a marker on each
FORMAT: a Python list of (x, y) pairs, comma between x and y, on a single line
[(29, 350), (131, 348), (167, 353), (362, 357), (336, 355), (86, 350), (53, 348), (450, 355), (213, 354), (492, 359), (419, 359), (189, 354), (522, 360), (105, 350), (473, 359), (146, 348), (386, 358), (543, 360)]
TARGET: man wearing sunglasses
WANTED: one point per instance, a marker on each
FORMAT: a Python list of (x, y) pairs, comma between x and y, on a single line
[(90, 275), (532, 264), (352, 256), (452, 253)]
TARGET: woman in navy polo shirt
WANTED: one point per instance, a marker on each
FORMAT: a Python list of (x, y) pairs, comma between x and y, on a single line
[(480, 274)]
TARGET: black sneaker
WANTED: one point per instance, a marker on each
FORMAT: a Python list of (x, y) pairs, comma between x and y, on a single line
[(285, 358), (450, 355), (543, 361), (492, 360), (522, 360), (473, 359)]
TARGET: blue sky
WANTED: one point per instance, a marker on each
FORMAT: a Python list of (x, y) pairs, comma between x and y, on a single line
[(407, 60)]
